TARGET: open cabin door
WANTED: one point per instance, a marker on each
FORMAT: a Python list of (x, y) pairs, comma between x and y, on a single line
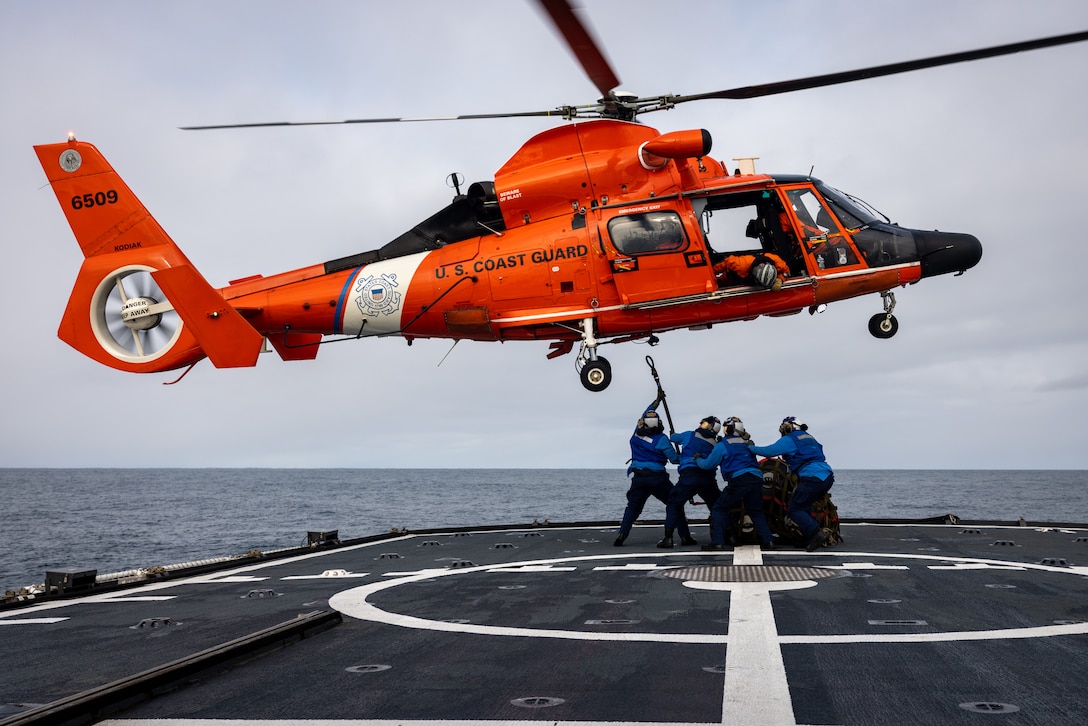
[(654, 255)]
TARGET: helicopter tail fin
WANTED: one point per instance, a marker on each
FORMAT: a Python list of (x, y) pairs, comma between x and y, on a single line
[(138, 304)]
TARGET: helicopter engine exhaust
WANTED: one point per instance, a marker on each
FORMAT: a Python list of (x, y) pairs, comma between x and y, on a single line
[(656, 153)]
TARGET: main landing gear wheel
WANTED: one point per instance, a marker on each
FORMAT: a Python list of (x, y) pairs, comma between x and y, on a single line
[(883, 325), (596, 374)]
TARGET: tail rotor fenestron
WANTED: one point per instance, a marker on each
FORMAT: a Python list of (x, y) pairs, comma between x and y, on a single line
[(131, 317)]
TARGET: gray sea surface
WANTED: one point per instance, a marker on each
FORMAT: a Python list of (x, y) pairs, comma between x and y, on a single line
[(119, 519)]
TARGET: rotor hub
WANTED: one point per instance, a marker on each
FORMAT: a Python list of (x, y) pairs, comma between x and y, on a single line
[(136, 313)]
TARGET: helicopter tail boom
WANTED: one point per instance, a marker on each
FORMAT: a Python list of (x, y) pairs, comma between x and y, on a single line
[(138, 304)]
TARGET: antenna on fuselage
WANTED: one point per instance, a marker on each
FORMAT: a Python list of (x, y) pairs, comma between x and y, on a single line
[(454, 180)]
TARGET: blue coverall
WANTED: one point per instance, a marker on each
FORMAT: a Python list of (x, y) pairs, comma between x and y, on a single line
[(805, 457), (693, 479), (649, 454), (744, 485)]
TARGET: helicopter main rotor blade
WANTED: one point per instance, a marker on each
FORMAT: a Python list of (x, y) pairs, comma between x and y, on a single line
[(597, 67), (573, 30), (831, 79), (582, 44), (566, 112)]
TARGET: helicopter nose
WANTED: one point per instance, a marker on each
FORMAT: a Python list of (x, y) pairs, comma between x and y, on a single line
[(944, 252)]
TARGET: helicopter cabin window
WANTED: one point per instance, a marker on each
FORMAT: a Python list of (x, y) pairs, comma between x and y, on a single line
[(819, 231), (640, 234), (747, 243)]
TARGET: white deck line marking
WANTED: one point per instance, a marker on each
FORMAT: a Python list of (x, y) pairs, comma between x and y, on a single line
[(862, 566), (31, 621), (346, 576), (974, 567), (424, 573), (747, 555), (375, 722), (755, 673), (1041, 631)]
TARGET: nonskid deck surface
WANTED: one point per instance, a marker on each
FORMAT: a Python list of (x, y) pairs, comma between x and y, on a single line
[(899, 624)]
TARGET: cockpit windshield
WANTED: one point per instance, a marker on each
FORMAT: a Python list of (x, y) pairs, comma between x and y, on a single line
[(880, 242), (852, 212)]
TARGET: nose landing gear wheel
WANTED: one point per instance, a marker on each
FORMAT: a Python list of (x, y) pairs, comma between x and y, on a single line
[(883, 325), (596, 374)]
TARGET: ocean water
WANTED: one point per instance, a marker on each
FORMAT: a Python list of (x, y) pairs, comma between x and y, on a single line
[(119, 519)]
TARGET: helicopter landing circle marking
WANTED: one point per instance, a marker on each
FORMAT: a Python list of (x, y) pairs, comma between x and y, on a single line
[(355, 603)]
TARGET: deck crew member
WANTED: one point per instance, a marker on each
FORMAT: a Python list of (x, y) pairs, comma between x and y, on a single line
[(805, 457), (744, 485), (650, 452), (693, 480)]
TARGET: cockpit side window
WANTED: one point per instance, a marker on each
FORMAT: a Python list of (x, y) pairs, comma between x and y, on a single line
[(640, 234), (845, 215), (820, 233), (811, 213), (851, 211)]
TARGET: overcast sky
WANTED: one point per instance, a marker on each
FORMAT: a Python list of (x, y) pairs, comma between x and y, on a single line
[(988, 370)]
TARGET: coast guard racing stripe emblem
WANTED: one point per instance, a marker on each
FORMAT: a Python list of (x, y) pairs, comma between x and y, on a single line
[(377, 296)]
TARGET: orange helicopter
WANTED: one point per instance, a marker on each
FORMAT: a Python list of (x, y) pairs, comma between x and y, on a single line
[(594, 232)]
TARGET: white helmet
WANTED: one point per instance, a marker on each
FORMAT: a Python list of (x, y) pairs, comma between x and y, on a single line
[(763, 274), (791, 424), (734, 425)]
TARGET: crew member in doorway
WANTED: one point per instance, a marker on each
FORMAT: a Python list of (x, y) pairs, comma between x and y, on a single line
[(744, 486), (692, 480), (650, 452), (766, 270), (805, 457)]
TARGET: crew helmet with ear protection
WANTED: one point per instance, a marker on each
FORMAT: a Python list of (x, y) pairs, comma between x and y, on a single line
[(791, 424), (764, 274), (651, 420), (734, 426), (712, 424)]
